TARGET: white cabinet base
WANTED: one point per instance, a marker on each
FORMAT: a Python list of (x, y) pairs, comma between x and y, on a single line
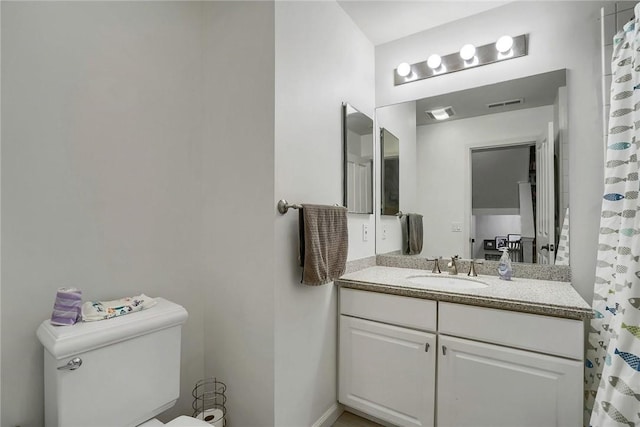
[(485, 385), (500, 369), (387, 371)]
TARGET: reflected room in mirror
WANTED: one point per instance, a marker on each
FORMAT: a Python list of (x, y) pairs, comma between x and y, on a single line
[(502, 215), (390, 170), (492, 170), (358, 160)]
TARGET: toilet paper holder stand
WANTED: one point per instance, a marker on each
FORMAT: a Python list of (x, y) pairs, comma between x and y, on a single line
[(209, 401)]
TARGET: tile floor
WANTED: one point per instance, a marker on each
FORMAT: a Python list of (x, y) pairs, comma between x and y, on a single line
[(347, 419)]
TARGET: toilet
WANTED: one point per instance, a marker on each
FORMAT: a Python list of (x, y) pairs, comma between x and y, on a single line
[(118, 372)]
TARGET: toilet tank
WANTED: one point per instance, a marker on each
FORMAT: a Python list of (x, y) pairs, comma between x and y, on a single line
[(130, 368)]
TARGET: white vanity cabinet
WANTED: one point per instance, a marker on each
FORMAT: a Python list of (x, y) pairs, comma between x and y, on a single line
[(494, 367), (488, 385), (484, 384), (388, 370)]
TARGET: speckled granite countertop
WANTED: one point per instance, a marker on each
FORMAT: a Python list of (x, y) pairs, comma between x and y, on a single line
[(550, 298)]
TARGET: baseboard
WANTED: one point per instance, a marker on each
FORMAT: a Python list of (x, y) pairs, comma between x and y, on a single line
[(330, 416)]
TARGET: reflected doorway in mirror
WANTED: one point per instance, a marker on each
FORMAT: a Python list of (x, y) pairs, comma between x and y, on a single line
[(357, 136), (390, 170)]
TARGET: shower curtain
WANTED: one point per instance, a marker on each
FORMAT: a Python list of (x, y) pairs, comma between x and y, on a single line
[(612, 377), (562, 254)]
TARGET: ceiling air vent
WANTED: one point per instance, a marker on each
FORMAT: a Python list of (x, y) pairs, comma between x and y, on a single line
[(506, 103), (441, 113)]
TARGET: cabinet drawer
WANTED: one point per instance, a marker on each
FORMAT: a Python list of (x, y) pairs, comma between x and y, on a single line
[(562, 337), (402, 311)]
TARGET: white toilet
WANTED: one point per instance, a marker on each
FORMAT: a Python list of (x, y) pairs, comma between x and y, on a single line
[(120, 372)]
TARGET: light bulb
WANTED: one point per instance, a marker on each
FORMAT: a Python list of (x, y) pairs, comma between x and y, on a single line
[(504, 44), (467, 52), (434, 61), (403, 69)]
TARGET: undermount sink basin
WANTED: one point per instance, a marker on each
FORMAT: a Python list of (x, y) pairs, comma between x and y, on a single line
[(446, 282)]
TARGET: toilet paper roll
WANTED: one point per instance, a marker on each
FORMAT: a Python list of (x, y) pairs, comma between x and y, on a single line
[(215, 417)]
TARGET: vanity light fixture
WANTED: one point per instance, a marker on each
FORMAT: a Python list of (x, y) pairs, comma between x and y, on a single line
[(469, 56)]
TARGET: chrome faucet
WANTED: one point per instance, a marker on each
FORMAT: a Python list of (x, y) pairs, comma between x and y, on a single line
[(472, 268), (436, 266), (452, 267)]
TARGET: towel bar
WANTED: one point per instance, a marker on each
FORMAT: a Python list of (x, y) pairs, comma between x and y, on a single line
[(283, 206)]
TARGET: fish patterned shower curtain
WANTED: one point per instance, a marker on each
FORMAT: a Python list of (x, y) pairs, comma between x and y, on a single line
[(562, 254), (612, 377)]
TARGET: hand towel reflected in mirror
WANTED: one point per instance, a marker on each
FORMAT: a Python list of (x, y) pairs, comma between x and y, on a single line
[(324, 243), (411, 234)]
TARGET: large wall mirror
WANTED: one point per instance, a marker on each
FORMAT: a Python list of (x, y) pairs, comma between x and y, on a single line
[(492, 174), (358, 160)]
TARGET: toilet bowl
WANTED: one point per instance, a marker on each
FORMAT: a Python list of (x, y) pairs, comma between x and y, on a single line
[(182, 421)]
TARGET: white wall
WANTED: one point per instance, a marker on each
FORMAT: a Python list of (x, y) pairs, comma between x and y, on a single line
[(239, 206), (495, 175), (400, 120), (134, 161), (101, 107), (562, 34), (322, 60), (444, 176)]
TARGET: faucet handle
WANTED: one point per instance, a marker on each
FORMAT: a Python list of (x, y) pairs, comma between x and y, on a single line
[(436, 265), (472, 267)]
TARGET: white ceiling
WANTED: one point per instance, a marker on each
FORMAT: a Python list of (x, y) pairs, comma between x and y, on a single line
[(384, 21), (535, 91)]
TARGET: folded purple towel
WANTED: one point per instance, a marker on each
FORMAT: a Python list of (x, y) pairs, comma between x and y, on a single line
[(67, 307)]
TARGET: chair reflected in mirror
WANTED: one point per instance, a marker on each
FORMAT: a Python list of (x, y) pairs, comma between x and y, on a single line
[(514, 243)]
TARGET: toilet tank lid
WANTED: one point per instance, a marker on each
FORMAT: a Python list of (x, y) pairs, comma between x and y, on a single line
[(65, 341)]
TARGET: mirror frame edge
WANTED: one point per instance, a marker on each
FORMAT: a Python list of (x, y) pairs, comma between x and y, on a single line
[(344, 154)]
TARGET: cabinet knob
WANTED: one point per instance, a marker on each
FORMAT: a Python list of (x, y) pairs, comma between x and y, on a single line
[(444, 350)]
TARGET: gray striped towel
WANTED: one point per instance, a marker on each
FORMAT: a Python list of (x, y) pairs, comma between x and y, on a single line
[(412, 234), (324, 243)]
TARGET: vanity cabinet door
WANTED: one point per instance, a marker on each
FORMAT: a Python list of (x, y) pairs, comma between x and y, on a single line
[(387, 371), (485, 385)]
